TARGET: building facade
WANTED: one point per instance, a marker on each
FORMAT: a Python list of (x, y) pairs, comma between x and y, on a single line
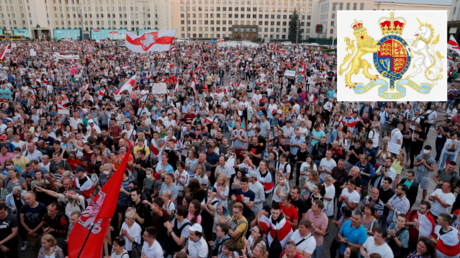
[(196, 19), (42, 17)]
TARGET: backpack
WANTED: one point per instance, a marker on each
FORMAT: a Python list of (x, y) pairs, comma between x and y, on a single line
[(170, 245)]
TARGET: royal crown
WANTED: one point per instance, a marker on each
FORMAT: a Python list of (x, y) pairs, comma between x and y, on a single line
[(392, 25), (357, 25)]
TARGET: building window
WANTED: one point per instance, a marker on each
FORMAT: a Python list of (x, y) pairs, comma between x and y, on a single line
[(348, 6), (355, 6), (361, 7)]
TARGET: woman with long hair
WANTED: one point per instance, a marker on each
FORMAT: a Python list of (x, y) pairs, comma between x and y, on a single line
[(351, 252), (98, 159), (369, 221), (221, 215), (306, 166), (73, 161), (313, 178), (201, 175), (194, 210), (426, 248), (316, 194), (190, 162), (222, 188), (196, 191), (256, 237), (383, 153)]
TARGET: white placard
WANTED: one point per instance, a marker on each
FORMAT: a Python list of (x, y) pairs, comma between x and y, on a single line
[(289, 73), (33, 53), (13, 45), (159, 88), (394, 148)]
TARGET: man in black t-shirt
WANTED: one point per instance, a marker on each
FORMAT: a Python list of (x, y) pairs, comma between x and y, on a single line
[(385, 193), (8, 232), (32, 214), (256, 151), (142, 211), (298, 203), (418, 139)]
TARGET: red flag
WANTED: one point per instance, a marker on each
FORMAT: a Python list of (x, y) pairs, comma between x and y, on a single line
[(154, 149), (96, 217)]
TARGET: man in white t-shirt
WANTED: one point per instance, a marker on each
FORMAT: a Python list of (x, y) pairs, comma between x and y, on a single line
[(151, 247), (303, 239), (442, 199), (196, 245), (350, 197), (377, 245), (326, 165), (396, 135)]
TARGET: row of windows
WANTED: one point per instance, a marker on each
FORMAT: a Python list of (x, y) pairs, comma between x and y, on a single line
[(120, 9), (254, 16), (273, 9), (102, 16), (260, 23), (218, 35), (102, 23), (238, 29), (242, 2)]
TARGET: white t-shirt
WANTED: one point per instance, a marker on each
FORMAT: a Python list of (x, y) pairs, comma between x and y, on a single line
[(134, 232), (384, 250), (197, 249), (154, 251), (224, 192), (330, 193), (308, 245), (436, 207), (328, 165), (395, 136), (353, 197)]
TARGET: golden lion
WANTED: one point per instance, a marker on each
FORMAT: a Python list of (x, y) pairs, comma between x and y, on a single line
[(365, 45)]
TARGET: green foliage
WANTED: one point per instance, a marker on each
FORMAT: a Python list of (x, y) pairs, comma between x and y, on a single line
[(293, 28)]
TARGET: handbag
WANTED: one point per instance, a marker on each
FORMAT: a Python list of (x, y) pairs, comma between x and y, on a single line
[(136, 251)]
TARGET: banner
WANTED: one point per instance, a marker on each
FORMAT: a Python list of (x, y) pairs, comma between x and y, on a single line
[(58, 56), (159, 88)]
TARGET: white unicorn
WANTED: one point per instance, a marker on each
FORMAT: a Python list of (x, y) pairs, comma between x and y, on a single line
[(429, 60)]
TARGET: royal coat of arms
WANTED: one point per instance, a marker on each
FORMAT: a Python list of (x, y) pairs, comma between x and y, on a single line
[(399, 62)]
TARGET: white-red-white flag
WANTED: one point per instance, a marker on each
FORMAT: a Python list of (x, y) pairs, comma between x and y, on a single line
[(107, 41), (199, 67), (62, 109), (155, 41), (194, 83), (44, 38), (6, 50), (453, 45), (172, 49), (101, 94), (128, 86), (176, 89), (66, 38)]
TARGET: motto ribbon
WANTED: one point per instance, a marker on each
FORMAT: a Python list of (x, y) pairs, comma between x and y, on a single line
[(400, 92)]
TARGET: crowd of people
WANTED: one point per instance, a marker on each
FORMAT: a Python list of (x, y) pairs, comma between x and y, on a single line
[(237, 160)]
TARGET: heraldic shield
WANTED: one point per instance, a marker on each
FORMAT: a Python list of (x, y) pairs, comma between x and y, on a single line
[(400, 63), (393, 59)]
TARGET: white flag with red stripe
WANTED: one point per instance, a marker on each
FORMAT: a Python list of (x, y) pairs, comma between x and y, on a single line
[(176, 89), (207, 121), (199, 67), (155, 41), (6, 50), (67, 39), (44, 38), (172, 49), (62, 109), (107, 41), (101, 94), (453, 45), (280, 230), (128, 86), (154, 149), (194, 83)]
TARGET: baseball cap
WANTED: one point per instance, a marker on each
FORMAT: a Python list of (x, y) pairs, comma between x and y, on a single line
[(196, 228), (252, 173), (79, 169), (3, 137), (91, 121)]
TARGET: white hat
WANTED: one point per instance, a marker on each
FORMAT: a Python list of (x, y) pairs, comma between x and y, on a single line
[(196, 228)]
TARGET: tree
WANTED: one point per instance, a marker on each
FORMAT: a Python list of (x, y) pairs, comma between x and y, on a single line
[(293, 23)]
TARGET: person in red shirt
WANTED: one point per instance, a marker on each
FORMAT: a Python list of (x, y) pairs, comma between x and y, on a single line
[(290, 251), (189, 116), (290, 212), (115, 131)]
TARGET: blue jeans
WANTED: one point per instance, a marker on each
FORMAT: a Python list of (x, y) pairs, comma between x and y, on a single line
[(318, 252), (383, 221), (444, 159)]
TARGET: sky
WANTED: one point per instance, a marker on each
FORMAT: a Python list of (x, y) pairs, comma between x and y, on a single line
[(436, 2)]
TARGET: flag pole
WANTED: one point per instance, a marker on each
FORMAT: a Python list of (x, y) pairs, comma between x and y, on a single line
[(84, 243)]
